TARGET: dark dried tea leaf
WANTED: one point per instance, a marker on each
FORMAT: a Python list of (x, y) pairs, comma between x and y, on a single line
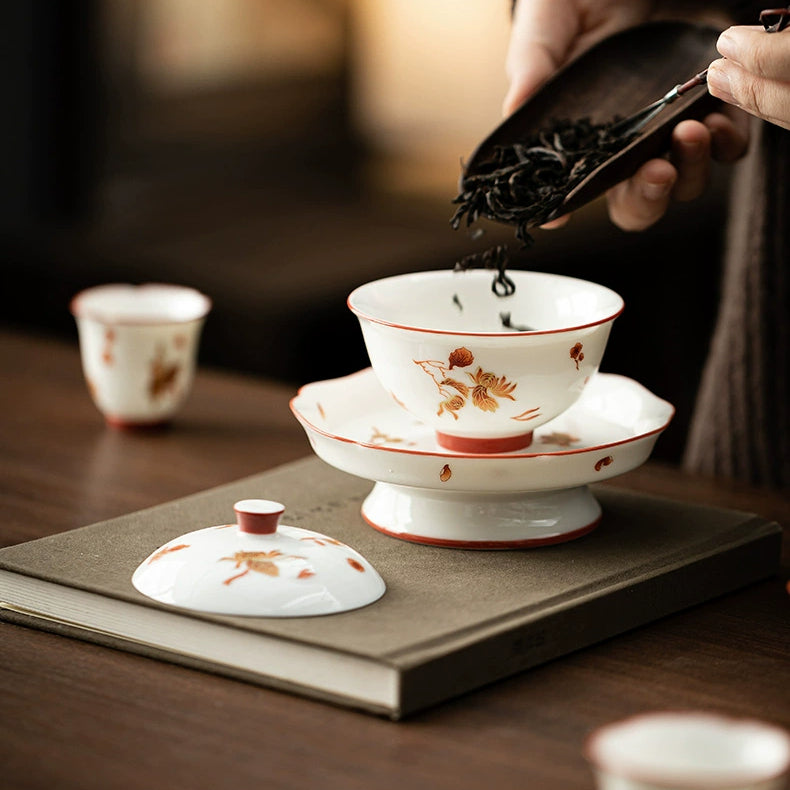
[(525, 184), (507, 323), (492, 258)]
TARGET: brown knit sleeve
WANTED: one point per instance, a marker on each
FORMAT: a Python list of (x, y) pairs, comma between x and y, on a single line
[(741, 423)]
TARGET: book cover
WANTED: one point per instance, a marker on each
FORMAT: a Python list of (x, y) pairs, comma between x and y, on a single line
[(450, 621)]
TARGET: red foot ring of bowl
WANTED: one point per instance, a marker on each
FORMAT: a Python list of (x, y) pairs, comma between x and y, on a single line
[(477, 446)]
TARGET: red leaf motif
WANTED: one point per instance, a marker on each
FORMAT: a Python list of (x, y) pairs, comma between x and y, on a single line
[(529, 414), (168, 550), (603, 462), (357, 566), (576, 354), (461, 358)]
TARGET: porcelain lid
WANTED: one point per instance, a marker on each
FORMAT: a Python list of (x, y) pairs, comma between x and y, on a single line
[(259, 567)]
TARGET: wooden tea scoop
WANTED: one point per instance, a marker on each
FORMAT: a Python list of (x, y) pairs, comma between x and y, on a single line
[(617, 78), (636, 122), (772, 19)]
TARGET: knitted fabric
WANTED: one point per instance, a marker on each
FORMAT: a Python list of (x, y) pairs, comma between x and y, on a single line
[(739, 428)]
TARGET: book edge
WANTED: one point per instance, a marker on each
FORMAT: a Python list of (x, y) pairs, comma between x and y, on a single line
[(516, 650), (740, 536), (308, 669)]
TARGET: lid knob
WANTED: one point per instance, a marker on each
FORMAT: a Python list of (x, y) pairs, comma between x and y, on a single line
[(258, 516)]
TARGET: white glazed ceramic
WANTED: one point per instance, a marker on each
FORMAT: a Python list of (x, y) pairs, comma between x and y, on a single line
[(689, 750), (437, 343), (259, 568), (139, 346), (428, 494)]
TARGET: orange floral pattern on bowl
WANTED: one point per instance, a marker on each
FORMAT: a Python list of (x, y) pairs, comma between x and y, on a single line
[(482, 392), (577, 355)]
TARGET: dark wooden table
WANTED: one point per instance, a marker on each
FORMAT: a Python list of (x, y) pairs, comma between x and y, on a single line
[(75, 715)]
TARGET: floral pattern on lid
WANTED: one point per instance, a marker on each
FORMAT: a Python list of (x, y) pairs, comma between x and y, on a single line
[(259, 568)]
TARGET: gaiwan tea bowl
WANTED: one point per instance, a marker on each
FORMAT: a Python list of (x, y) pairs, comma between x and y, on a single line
[(484, 370)]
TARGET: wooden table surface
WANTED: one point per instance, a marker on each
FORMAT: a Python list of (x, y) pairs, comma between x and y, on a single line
[(76, 715)]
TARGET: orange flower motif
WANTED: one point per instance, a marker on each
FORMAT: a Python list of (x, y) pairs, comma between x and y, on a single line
[(483, 400), (459, 386), (451, 405), (446, 473), (487, 386), (257, 561)]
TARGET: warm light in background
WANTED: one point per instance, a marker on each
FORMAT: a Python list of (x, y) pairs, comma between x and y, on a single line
[(187, 45), (429, 74), (425, 78)]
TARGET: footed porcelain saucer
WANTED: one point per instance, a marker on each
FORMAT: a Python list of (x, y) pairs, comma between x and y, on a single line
[(259, 568), (427, 494)]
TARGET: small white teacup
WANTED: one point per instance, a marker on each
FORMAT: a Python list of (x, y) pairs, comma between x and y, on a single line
[(689, 750), (138, 345)]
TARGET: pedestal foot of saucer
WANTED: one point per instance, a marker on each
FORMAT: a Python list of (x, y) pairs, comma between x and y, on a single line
[(481, 520)]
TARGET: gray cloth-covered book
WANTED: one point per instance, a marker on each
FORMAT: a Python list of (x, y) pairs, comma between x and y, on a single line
[(450, 620)]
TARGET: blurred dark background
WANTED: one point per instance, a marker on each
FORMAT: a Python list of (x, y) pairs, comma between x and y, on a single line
[(275, 155)]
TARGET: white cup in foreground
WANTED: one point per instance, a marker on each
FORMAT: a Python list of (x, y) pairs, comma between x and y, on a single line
[(138, 345), (689, 750)]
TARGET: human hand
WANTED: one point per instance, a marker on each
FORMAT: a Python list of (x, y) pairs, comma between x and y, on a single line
[(546, 34), (754, 73), (644, 198)]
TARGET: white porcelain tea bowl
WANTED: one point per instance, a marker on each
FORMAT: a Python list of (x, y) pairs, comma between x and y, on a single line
[(258, 567), (689, 750), (484, 370), (139, 345)]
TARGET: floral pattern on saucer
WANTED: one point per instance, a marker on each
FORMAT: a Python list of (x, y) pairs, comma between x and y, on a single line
[(355, 426)]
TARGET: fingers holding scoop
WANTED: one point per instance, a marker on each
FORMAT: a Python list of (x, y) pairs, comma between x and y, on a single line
[(754, 72)]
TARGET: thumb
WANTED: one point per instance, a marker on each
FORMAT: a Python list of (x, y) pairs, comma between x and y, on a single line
[(539, 41), (527, 74)]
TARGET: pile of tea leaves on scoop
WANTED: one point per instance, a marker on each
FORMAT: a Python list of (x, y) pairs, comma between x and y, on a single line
[(525, 183)]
